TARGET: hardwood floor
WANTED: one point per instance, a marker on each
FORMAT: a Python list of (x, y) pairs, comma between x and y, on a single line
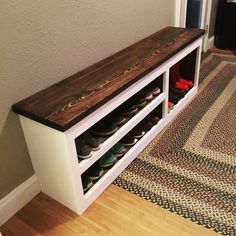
[(115, 212)]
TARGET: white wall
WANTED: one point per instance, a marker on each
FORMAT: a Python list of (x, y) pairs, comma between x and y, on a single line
[(43, 42)]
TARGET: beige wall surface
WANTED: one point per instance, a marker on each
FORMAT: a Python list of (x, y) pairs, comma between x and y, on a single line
[(43, 42)]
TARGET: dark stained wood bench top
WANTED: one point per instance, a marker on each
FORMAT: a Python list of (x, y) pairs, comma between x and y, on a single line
[(63, 104)]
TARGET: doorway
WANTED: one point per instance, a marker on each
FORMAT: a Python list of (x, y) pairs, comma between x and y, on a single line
[(195, 14)]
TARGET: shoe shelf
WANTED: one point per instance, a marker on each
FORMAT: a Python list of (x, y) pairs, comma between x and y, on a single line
[(54, 118), (121, 132), (113, 173)]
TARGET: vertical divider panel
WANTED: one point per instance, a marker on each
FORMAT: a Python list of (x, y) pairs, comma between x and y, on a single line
[(197, 65), (166, 91)]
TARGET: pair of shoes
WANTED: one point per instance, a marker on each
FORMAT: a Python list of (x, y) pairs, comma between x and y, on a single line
[(149, 92), (178, 92), (137, 132), (140, 130), (104, 128), (128, 140), (118, 150), (147, 123), (94, 172), (85, 144), (153, 118), (112, 156), (141, 102), (177, 81), (107, 160), (116, 118), (171, 106), (91, 141), (155, 90), (129, 108)]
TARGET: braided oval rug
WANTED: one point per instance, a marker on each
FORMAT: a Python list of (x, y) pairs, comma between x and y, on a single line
[(189, 168)]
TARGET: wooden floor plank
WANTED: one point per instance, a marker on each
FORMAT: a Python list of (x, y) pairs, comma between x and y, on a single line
[(116, 212)]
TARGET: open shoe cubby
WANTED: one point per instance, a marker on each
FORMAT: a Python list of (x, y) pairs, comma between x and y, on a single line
[(55, 117)]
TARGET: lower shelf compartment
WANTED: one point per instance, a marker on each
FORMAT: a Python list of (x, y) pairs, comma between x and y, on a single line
[(113, 173), (182, 103)]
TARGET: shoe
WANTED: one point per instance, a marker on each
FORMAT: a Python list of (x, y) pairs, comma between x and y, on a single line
[(154, 90), (181, 85), (91, 141), (154, 119), (129, 109), (137, 132), (107, 160), (118, 150), (180, 78), (171, 105), (187, 82), (104, 128), (83, 150), (86, 182), (116, 118), (146, 125), (147, 95), (177, 91), (128, 140), (141, 102), (120, 120), (95, 172), (175, 98)]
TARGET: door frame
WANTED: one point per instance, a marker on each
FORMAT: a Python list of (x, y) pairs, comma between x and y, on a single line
[(180, 19)]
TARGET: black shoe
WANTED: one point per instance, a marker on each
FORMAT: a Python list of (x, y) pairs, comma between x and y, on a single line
[(86, 182), (104, 128), (129, 109), (95, 172), (83, 150), (91, 141)]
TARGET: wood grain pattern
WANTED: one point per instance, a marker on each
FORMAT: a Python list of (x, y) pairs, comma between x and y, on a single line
[(116, 212), (64, 104)]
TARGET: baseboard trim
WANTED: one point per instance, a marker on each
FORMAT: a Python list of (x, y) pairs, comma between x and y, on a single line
[(18, 198), (210, 43)]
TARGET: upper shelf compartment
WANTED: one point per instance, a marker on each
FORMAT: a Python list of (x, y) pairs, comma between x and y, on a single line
[(64, 104)]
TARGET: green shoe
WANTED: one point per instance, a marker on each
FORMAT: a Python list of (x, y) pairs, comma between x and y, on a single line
[(118, 150), (107, 160)]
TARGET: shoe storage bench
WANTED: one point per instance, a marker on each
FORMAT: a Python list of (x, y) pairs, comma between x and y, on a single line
[(55, 117)]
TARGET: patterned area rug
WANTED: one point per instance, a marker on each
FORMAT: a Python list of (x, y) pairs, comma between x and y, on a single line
[(190, 167)]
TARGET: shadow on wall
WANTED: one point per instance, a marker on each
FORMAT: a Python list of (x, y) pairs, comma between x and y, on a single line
[(15, 165)]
